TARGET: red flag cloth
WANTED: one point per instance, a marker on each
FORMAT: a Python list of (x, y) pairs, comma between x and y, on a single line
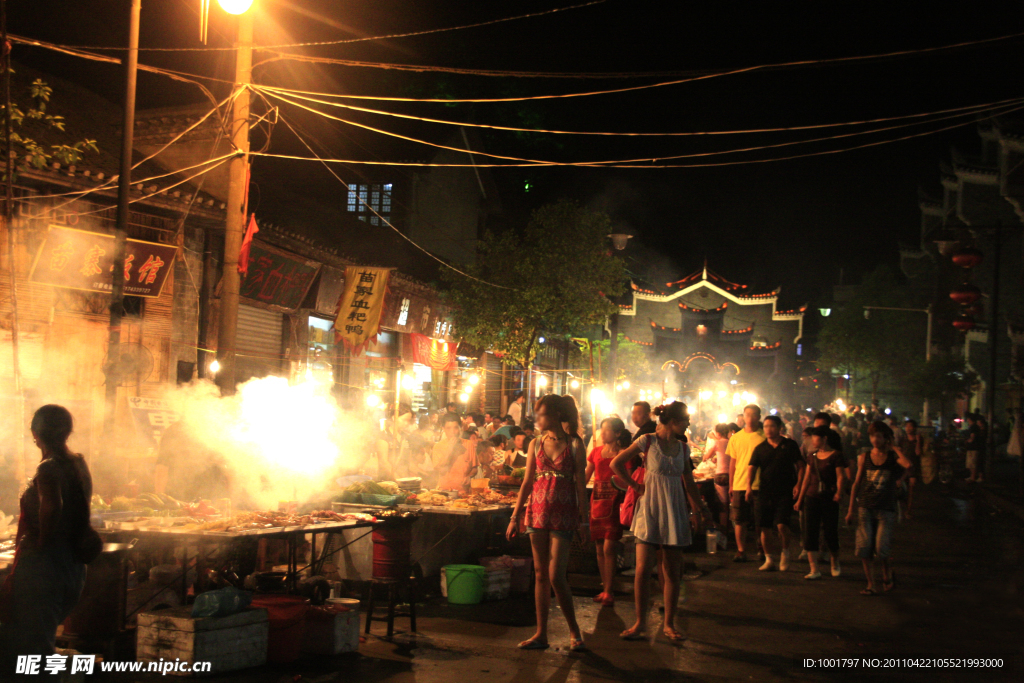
[(243, 254), (438, 354)]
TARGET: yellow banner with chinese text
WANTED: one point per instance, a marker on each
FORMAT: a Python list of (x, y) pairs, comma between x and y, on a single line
[(360, 307)]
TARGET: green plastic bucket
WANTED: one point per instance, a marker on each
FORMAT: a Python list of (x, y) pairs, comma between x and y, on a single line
[(465, 583)]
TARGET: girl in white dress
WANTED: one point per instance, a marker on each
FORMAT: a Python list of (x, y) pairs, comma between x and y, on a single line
[(661, 520)]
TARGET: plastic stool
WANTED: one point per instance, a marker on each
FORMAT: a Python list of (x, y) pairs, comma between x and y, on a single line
[(394, 590)]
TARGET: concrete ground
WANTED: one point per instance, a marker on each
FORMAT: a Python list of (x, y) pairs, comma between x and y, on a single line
[(959, 574)]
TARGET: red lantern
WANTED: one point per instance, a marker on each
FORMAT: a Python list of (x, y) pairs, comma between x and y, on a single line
[(964, 323), (968, 257), (965, 294)]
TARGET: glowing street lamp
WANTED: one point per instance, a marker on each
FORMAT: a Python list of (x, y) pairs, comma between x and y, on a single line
[(408, 382), (542, 381), (235, 6), (215, 366), (372, 400), (463, 397), (474, 379), (575, 384), (625, 384)]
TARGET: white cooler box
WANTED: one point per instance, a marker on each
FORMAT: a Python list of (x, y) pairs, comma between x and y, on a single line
[(228, 643), (331, 635)]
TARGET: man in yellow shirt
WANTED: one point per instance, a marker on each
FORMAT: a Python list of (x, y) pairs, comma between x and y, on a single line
[(740, 449)]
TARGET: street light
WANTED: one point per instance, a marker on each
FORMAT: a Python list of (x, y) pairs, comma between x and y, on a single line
[(235, 6), (927, 340), (575, 384), (474, 379)]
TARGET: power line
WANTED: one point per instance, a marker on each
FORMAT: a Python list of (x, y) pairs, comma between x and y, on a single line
[(647, 166), (619, 162), (272, 91), (348, 41), (384, 220)]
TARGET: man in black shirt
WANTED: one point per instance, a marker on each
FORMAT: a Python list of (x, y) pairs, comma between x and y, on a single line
[(781, 467), (642, 419)]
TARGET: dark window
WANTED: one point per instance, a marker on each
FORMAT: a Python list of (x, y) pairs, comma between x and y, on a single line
[(134, 306)]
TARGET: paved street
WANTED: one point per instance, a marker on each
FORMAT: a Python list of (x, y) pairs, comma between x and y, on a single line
[(959, 579)]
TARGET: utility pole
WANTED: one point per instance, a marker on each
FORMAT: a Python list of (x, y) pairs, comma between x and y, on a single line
[(238, 169), (20, 467), (124, 186), (993, 348)]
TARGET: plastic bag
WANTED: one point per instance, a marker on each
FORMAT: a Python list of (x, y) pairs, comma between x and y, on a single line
[(222, 602)]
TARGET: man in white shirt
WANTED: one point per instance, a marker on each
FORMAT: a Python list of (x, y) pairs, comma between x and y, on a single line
[(515, 410)]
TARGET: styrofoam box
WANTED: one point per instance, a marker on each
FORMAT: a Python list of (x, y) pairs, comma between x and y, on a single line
[(230, 643), (332, 636)]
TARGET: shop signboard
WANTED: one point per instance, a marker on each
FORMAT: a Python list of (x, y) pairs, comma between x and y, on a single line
[(152, 417), (360, 307), (277, 278), (82, 260), (435, 353)]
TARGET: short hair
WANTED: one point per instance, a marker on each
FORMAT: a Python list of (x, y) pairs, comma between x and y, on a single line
[(515, 431), (823, 416), (517, 395), (470, 433), (834, 419), (450, 417), (754, 407), (774, 418), (498, 440), (879, 427), (450, 404), (733, 427), (527, 424), (483, 446), (821, 431), (509, 420), (645, 405), (911, 422), (722, 429)]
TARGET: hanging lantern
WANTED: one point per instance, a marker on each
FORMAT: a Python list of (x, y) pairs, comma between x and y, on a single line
[(964, 323), (965, 294), (968, 257)]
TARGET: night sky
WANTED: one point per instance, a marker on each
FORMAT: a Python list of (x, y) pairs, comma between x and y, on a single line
[(791, 223)]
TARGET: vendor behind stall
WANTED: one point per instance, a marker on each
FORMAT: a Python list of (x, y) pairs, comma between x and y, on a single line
[(465, 465), (186, 469)]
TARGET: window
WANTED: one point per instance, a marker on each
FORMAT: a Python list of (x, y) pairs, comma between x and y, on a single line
[(134, 306), (368, 199), (403, 314)]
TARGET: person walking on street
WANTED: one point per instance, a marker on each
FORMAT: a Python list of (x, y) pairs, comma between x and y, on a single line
[(716, 453), (641, 418), (515, 411), (605, 527), (912, 445), (740, 449), (819, 499), (662, 519), (874, 493), (554, 483), (780, 465)]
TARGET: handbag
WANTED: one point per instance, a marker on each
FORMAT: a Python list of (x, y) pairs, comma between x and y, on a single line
[(628, 509)]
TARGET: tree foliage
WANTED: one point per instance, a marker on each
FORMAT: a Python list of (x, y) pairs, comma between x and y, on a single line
[(878, 346), (28, 122), (559, 271), (944, 377), (632, 361)]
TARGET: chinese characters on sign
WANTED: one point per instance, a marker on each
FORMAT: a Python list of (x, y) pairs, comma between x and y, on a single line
[(152, 417), (436, 353), (77, 259), (277, 279), (360, 308)]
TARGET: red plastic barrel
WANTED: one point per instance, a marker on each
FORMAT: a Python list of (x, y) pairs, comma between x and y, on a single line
[(391, 556), (287, 625)]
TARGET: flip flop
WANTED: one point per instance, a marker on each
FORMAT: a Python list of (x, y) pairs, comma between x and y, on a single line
[(629, 634), (533, 644), (868, 591), (673, 635), (577, 645)]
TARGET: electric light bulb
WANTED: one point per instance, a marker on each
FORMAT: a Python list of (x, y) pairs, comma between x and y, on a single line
[(235, 6), (542, 381), (408, 382), (372, 400), (215, 367), (625, 385), (575, 384), (474, 379), (463, 397), (722, 417)]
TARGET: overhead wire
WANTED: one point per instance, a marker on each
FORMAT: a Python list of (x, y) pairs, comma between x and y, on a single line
[(619, 162), (647, 166), (384, 220), (347, 41), (514, 129)]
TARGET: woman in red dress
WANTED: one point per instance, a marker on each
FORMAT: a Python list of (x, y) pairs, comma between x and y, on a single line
[(555, 485), (605, 527)]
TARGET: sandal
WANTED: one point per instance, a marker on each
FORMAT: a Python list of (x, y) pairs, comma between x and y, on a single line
[(533, 644), (577, 645), (630, 634), (673, 634), (868, 591)]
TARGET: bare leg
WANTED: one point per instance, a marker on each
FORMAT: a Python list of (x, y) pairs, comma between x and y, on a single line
[(672, 570), (539, 540), (869, 572), (645, 555), (559, 563), (910, 497), (741, 534), (767, 543), (886, 572), (608, 565), (812, 559)]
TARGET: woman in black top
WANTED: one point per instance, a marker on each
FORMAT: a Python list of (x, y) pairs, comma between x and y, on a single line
[(54, 541), (819, 496), (874, 492)]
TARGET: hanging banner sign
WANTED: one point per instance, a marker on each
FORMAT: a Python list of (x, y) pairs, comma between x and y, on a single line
[(276, 278), (360, 307), (82, 260), (437, 354), (152, 418)]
